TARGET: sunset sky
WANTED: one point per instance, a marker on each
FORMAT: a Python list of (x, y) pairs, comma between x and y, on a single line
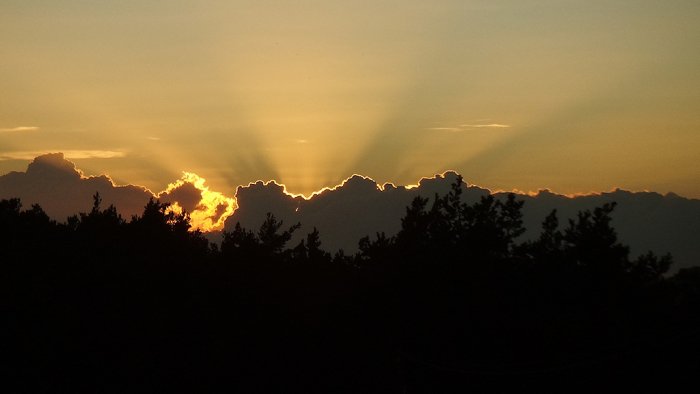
[(574, 96)]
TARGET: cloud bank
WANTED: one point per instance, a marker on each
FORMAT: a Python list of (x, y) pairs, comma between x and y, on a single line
[(62, 190), (343, 214), (357, 207), (360, 207)]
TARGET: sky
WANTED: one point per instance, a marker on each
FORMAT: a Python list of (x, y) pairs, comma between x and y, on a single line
[(573, 96)]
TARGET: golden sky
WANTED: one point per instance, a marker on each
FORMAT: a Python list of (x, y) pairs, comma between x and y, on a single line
[(570, 95)]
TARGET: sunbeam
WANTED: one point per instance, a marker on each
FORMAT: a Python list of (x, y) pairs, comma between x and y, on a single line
[(310, 93)]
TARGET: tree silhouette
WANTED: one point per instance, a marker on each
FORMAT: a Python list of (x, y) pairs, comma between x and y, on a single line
[(268, 243), (313, 247), (591, 242), (548, 248), (160, 230), (239, 244), (271, 240), (454, 302), (487, 229)]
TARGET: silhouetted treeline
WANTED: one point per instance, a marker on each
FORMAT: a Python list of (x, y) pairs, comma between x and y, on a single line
[(453, 303)]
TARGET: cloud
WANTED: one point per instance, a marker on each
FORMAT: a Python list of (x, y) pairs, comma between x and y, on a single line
[(444, 128), (62, 190), (208, 209), (462, 127), (262, 197), (490, 126), (643, 220), (69, 154), (343, 214), (18, 129), (359, 207)]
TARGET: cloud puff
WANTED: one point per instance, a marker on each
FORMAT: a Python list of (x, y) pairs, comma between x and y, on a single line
[(62, 190), (18, 129), (208, 209), (343, 214)]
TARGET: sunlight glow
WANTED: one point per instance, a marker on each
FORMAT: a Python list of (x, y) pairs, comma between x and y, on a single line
[(210, 211), (519, 94)]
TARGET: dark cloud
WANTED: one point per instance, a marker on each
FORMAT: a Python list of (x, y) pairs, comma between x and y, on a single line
[(356, 208), (260, 198), (186, 195), (62, 190), (643, 220), (344, 214), (359, 207), (219, 211)]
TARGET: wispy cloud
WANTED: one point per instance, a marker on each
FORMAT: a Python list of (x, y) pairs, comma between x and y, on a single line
[(490, 125), (18, 129), (68, 154), (464, 127), (445, 128), (93, 154), (153, 138), (301, 141)]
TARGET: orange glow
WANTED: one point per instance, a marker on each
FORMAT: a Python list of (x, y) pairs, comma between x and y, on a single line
[(210, 213)]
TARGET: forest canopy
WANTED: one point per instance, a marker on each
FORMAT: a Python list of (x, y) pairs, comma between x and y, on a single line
[(455, 299)]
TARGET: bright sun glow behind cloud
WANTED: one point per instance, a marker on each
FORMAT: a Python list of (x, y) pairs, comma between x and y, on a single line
[(210, 211)]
